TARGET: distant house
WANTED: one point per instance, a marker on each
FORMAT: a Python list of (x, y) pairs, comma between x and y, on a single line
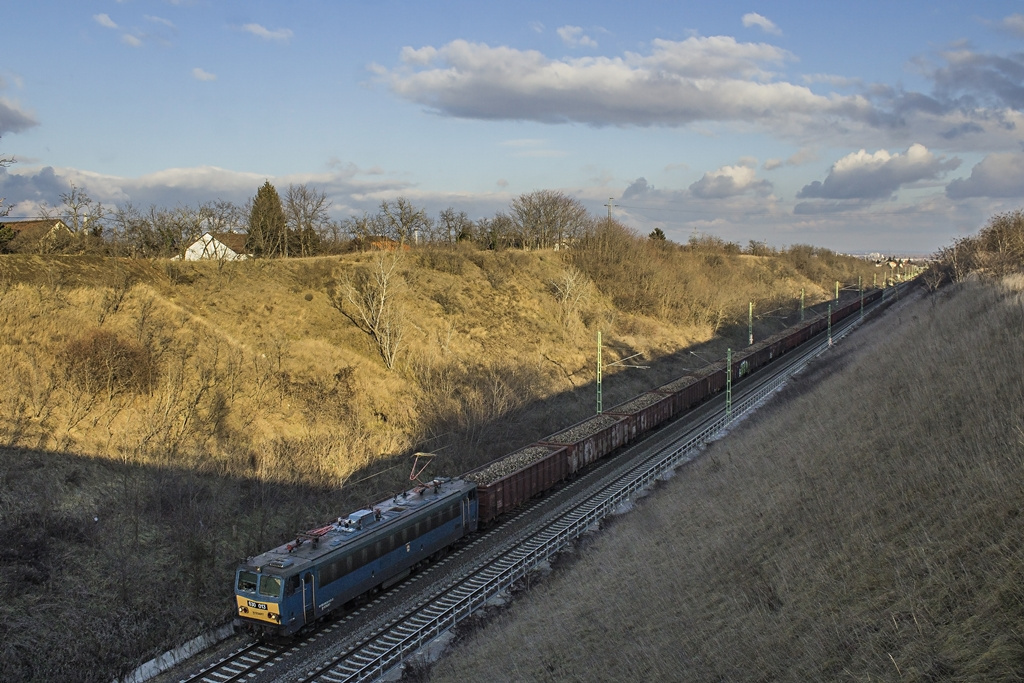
[(218, 246), (37, 235)]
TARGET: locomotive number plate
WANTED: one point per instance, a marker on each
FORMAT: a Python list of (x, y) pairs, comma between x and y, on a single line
[(257, 605)]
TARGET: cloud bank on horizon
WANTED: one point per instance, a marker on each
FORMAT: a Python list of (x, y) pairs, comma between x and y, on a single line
[(746, 132)]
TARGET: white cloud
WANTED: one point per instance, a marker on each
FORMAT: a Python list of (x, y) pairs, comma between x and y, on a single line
[(28, 187), (730, 181), (104, 20), (698, 79), (833, 80), (997, 175), (133, 41), (13, 118), (765, 24), (864, 176), (1014, 24), (977, 102), (798, 158), (160, 20), (282, 35), (802, 156), (573, 36), (202, 75), (537, 27)]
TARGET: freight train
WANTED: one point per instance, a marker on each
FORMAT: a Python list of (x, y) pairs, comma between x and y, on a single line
[(284, 589)]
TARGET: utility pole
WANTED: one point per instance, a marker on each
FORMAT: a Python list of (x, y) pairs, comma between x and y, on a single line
[(609, 205), (801, 304), (830, 325), (860, 286), (837, 290), (728, 385), (750, 324), (599, 406)]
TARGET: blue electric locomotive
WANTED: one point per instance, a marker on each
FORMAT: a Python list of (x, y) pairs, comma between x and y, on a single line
[(288, 587)]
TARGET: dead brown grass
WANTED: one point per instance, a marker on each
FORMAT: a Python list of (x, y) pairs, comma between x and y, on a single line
[(213, 361), (259, 410), (869, 528)]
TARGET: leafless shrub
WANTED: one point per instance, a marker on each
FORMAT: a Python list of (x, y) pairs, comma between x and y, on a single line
[(326, 398), (314, 274), (370, 297), (571, 290), (443, 258), (102, 362)]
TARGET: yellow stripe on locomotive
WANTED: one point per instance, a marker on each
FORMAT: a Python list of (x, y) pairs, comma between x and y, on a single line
[(269, 612)]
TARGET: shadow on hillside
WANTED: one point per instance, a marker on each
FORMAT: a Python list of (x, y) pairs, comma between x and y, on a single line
[(140, 558), (106, 564), (545, 416)]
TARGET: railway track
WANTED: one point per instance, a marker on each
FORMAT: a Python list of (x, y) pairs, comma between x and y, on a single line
[(574, 509), (239, 664), (387, 648)]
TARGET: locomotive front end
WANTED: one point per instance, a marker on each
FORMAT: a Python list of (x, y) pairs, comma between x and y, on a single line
[(259, 599)]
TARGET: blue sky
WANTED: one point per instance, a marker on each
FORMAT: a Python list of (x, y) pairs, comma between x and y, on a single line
[(868, 127)]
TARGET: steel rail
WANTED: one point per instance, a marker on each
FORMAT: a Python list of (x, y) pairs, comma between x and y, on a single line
[(238, 664), (378, 654)]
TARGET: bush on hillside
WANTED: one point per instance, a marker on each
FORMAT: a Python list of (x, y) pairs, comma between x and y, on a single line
[(102, 362), (997, 249)]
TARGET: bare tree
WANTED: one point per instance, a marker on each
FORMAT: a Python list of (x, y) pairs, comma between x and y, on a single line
[(453, 226), (959, 258), (402, 221), (221, 215), (305, 209), (4, 210), (361, 228), (571, 290), (79, 212), (370, 297), (6, 231), (546, 219), (496, 233)]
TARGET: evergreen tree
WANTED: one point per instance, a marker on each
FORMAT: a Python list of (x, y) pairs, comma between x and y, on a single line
[(268, 230)]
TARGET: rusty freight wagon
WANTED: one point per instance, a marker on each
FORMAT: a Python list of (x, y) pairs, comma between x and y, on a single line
[(510, 481), (645, 412), (590, 440)]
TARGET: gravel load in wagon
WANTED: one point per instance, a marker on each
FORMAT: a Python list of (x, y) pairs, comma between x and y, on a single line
[(583, 430), (676, 385), (637, 404), (512, 462)]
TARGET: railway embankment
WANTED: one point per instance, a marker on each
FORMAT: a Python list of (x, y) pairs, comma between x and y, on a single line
[(869, 525)]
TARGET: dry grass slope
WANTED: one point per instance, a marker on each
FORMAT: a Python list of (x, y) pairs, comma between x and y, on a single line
[(164, 419), (868, 528)]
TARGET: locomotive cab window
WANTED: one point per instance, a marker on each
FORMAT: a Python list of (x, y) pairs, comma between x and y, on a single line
[(247, 582), (270, 586), (291, 585)]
